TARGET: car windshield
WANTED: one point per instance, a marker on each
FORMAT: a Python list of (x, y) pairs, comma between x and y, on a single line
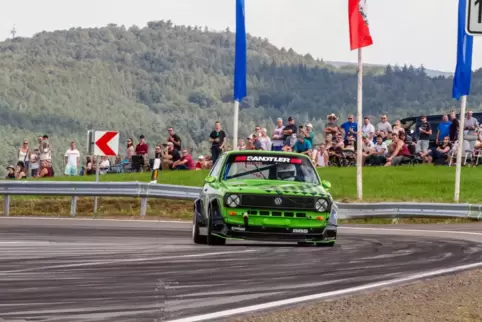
[(270, 167)]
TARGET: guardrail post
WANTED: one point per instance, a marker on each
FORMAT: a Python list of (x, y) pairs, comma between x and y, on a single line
[(73, 206), (6, 205), (143, 206)]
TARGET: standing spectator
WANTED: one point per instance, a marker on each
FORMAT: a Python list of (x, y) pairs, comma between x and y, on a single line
[(470, 127), (454, 127), (264, 140), (331, 127), (218, 139), (384, 125), (302, 146), (174, 138), (185, 163), (277, 138), (130, 149), (425, 131), (34, 162), (142, 148), (72, 160), (24, 154), (45, 150), (307, 131), (350, 127), (368, 129), (289, 132), (443, 129)]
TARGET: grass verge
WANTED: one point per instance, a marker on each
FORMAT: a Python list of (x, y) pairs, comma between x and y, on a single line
[(418, 184)]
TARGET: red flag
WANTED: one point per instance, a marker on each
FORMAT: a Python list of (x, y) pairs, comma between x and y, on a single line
[(359, 31)]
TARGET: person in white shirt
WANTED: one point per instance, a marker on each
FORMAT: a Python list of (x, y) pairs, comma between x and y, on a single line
[(368, 129), (265, 140), (278, 136), (72, 160)]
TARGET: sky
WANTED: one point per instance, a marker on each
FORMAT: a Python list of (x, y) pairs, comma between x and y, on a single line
[(410, 31)]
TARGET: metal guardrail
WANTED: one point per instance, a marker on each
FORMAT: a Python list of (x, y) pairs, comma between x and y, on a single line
[(164, 191)]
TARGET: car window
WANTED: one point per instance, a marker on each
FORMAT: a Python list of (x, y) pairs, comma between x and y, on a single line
[(217, 167), (270, 167)]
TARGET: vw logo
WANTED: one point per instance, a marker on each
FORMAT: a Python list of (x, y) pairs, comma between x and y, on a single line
[(278, 201)]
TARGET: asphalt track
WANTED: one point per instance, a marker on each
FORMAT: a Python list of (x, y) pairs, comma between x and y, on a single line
[(96, 270)]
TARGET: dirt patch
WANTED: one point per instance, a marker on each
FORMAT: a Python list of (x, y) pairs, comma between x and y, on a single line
[(448, 298)]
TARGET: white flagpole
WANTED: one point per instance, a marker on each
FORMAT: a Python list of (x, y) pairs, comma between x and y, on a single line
[(359, 124), (460, 147), (235, 125)]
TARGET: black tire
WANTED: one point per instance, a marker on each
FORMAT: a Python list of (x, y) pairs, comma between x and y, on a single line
[(196, 237), (211, 239)]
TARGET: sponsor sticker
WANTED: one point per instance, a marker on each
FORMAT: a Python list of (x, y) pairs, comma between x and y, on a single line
[(263, 158), (300, 231), (238, 229)]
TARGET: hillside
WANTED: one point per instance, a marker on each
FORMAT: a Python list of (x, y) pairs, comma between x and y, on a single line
[(140, 81), (344, 65)]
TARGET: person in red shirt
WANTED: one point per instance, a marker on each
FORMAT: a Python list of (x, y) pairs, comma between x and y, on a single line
[(142, 148), (185, 163)]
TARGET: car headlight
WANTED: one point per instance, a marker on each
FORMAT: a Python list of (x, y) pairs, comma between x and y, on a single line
[(233, 201), (321, 205)]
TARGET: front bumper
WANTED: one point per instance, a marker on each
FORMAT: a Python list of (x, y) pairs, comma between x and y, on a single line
[(239, 224)]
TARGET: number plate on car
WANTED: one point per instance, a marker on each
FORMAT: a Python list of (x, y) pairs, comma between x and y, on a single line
[(300, 231)]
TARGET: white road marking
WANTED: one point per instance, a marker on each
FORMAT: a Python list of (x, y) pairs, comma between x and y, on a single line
[(127, 260), (415, 230), (295, 300)]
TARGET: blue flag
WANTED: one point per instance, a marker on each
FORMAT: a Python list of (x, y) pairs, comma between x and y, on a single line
[(463, 71), (240, 90)]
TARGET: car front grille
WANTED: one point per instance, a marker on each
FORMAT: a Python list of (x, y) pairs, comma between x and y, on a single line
[(277, 202)]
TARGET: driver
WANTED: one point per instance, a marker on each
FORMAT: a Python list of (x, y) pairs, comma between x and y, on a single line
[(286, 172)]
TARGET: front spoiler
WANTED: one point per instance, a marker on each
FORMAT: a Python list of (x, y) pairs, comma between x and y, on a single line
[(326, 234)]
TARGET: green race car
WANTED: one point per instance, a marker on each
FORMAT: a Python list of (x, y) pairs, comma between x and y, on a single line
[(267, 196)]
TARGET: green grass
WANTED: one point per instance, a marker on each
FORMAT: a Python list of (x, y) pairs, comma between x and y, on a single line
[(419, 184)]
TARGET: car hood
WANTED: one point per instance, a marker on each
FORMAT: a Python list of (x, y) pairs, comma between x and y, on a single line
[(274, 188)]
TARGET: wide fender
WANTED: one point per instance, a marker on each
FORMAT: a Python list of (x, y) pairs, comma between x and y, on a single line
[(199, 212)]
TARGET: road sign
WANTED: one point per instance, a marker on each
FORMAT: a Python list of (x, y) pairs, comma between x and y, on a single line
[(106, 143), (474, 17)]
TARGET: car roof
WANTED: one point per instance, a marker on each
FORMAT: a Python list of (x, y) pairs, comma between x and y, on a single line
[(261, 152)]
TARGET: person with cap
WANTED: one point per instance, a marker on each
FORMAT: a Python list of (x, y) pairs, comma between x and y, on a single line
[(278, 137), (331, 127), (302, 146), (307, 131), (10, 172), (290, 131)]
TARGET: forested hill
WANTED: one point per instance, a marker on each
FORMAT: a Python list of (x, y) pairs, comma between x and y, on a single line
[(140, 81)]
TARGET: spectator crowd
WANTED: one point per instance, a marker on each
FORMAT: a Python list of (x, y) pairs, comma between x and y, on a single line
[(385, 144)]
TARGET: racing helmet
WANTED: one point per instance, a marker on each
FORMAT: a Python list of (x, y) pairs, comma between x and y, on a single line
[(286, 172)]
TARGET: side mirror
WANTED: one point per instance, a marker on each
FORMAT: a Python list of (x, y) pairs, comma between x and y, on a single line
[(210, 179), (326, 184)]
